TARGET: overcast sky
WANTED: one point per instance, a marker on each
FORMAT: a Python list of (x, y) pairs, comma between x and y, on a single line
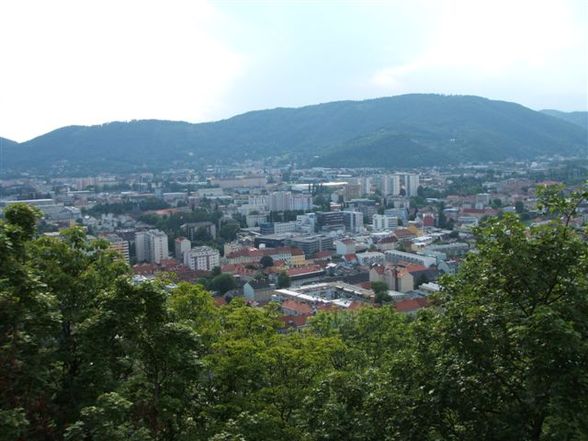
[(69, 62)]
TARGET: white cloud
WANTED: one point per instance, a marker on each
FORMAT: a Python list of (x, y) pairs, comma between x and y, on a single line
[(490, 41), (77, 62)]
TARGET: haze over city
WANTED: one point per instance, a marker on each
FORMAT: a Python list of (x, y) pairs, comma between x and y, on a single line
[(68, 62)]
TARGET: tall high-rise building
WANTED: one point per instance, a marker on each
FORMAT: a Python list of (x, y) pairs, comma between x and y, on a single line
[(280, 200), (411, 184), (389, 185), (394, 185), (353, 221), (151, 246)]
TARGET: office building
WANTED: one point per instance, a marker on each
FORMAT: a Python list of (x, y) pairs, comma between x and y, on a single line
[(353, 221), (330, 220), (312, 244), (366, 206)]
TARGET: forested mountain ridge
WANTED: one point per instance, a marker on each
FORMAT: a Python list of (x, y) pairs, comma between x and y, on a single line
[(578, 118), (7, 142), (406, 130), (88, 355)]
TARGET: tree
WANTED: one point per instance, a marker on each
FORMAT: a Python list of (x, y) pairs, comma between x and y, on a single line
[(509, 340), (222, 283), (229, 231), (496, 203), (266, 261), (519, 207), (380, 290), (29, 321), (283, 280), (422, 278), (87, 353)]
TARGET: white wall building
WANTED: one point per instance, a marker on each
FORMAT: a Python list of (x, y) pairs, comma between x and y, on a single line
[(286, 200), (382, 222), (395, 256), (202, 258), (151, 246), (411, 184), (181, 245)]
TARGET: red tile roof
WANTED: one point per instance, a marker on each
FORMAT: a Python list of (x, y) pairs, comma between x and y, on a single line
[(403, 233), (219, 301), (294, 321), (323, 254), (389, 239), (410, 305), (303, 270), (350, 257), (298, 307), (413, 268)]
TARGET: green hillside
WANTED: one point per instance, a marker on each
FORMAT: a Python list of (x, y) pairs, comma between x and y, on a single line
[(7, 142), (578, 118), (415, 130)]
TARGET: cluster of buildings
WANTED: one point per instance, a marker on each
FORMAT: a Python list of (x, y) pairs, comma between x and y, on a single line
[(333, 232)]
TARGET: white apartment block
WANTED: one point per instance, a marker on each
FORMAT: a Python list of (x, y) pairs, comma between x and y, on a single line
[(258, 202), (411, 184), (151, 246), (202, 258), (285, 200), (382, 222), (395, 256), (390, 185)]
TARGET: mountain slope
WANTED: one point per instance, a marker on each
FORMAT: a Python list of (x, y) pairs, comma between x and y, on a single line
[(578, 118), (7, 142), (416, 129)]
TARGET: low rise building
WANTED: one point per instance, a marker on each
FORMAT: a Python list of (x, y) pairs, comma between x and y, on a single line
[(202, 258)]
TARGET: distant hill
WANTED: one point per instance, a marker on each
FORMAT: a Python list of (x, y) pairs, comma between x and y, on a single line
[(403, 131), (7, 142), (578, 118)]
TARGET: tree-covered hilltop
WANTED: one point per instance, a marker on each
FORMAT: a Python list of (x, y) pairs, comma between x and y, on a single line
[(502, 354), (401, 131), (578, 118)]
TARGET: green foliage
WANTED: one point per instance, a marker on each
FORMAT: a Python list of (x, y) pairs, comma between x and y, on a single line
[(496, 203), (381, 292), (283, 280), (86, 354), (126, 207), (465, 185), (222, 283), (578, 118), (266, 261), (229, 231), (436, 129)]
